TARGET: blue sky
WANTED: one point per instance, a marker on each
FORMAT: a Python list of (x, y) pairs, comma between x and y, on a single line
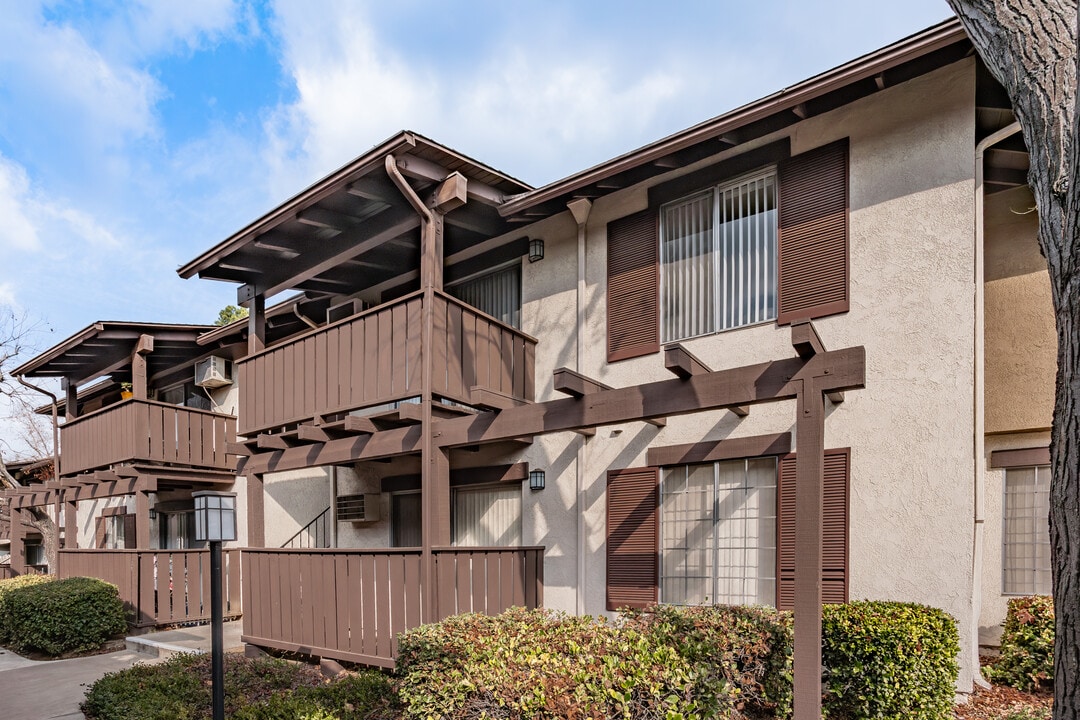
[(134, 135)]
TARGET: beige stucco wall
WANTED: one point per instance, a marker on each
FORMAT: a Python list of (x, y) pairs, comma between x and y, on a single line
[(1021, 340), (292, 499), (911, 307)]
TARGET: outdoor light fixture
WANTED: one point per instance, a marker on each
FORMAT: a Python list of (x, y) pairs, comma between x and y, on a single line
[(536, 250), (215, 516), (215, 521), (153, 514), (536, 480)]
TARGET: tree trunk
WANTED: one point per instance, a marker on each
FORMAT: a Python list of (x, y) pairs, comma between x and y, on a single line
[(1030, 47), (40, 521)]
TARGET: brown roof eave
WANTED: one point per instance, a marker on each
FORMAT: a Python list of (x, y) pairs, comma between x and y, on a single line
[(28, 368), (329, 184), (934, 38)]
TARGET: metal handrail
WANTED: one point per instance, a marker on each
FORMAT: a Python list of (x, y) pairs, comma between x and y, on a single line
[(324, 526)]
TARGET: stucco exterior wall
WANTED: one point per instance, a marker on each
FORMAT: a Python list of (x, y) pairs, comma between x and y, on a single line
[(1021, 339), (911, 254), (88, 511), (292, 499)]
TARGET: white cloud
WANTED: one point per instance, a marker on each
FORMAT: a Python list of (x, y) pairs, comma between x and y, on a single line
[(17, 231), (354, 91), (7, 296)]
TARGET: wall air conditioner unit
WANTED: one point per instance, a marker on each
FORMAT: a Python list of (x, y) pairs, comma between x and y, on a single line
[(213, 372), (345, 309), (358, 508)]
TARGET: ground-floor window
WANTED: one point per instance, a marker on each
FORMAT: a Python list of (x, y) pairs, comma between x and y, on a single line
[(486, 516), (114, 532), (718, 533), (405, 528), (1025, 551), (177, 530)]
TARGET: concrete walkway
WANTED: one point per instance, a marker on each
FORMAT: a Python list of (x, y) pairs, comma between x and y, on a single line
[(53, 689)]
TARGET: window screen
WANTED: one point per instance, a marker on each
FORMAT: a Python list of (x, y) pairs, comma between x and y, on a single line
[(1026, 533)]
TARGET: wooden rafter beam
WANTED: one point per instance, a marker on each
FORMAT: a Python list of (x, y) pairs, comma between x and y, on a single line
[(807, 344), (685, 365), (421, 169)]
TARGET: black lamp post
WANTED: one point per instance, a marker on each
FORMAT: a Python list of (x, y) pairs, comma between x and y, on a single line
[(215, 521)]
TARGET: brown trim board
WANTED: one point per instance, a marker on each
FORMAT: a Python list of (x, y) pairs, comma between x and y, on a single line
[(493, 475), (726, 449), (1024, 457)]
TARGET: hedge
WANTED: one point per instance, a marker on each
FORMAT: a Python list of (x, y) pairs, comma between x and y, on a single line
[(62, 616), (881, 660), (262, 689), (6, 588), (1027, 644), (543, 665), (889, 660)]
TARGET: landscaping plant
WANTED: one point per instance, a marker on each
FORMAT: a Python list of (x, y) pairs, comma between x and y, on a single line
[(1027, 644), (62, 616), (9, 586)]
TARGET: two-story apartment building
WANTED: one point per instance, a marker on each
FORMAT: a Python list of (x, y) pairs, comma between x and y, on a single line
[(466, 399)]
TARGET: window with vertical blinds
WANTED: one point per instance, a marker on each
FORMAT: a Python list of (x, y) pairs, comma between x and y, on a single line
[(718, 258), (1025, 547), (718, 533), (487, 516), (498, 294)]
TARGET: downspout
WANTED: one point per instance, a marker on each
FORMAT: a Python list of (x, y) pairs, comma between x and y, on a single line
[(979, 399), (580, 209), (304, 319)]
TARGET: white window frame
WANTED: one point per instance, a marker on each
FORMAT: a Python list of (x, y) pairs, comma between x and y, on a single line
[(1042, 480), (716, 192), (715, 571)]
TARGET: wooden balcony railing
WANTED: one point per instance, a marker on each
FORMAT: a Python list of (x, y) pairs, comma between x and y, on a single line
[(159, 587), (146, 431), (375, 357), (351, 604)]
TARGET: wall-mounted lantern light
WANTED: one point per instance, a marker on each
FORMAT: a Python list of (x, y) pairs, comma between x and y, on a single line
[(536, 250), (536, 480), (153, 514)]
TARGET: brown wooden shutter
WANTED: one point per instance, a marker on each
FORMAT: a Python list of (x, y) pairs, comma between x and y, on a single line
[(633, 538), (814, 234), (130, 538), (633, 282), (99, 532), (834, 541)]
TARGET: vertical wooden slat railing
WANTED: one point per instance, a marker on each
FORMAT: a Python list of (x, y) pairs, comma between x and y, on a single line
[(351, 604), (6, 573), (146, 431), (159, 587), (488, 580), (374, 358)]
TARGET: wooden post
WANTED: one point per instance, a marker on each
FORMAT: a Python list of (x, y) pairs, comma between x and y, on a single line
[(71, 401), (255, 514), (142, 520), (143, 347), (18, 542), (257, 324), (71, 520), (809, 488)]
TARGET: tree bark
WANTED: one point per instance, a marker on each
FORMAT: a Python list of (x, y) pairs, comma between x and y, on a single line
[(1030, 47)]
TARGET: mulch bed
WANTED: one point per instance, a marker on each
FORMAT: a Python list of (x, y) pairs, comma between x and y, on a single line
[(999, 702)]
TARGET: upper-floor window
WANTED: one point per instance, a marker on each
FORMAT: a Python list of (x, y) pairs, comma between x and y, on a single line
[(497, 293), (1025, 547), (718, 258), (185, 394)]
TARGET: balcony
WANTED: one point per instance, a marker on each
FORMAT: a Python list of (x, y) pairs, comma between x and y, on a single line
[(375, 357), (144, 431)]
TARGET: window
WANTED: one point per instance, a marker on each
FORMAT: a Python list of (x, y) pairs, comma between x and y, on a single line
[(1025, 547), (718, 533), (718, 258), (498, 294), (114, 532), (186, 394), (405, 527), (487, 517)]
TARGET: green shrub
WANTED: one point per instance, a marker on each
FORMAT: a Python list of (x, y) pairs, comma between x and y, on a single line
[(889, 660), (539, 664), (71, 615), (1027, 644), (743, 653), (264, 689), (6, 588)]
